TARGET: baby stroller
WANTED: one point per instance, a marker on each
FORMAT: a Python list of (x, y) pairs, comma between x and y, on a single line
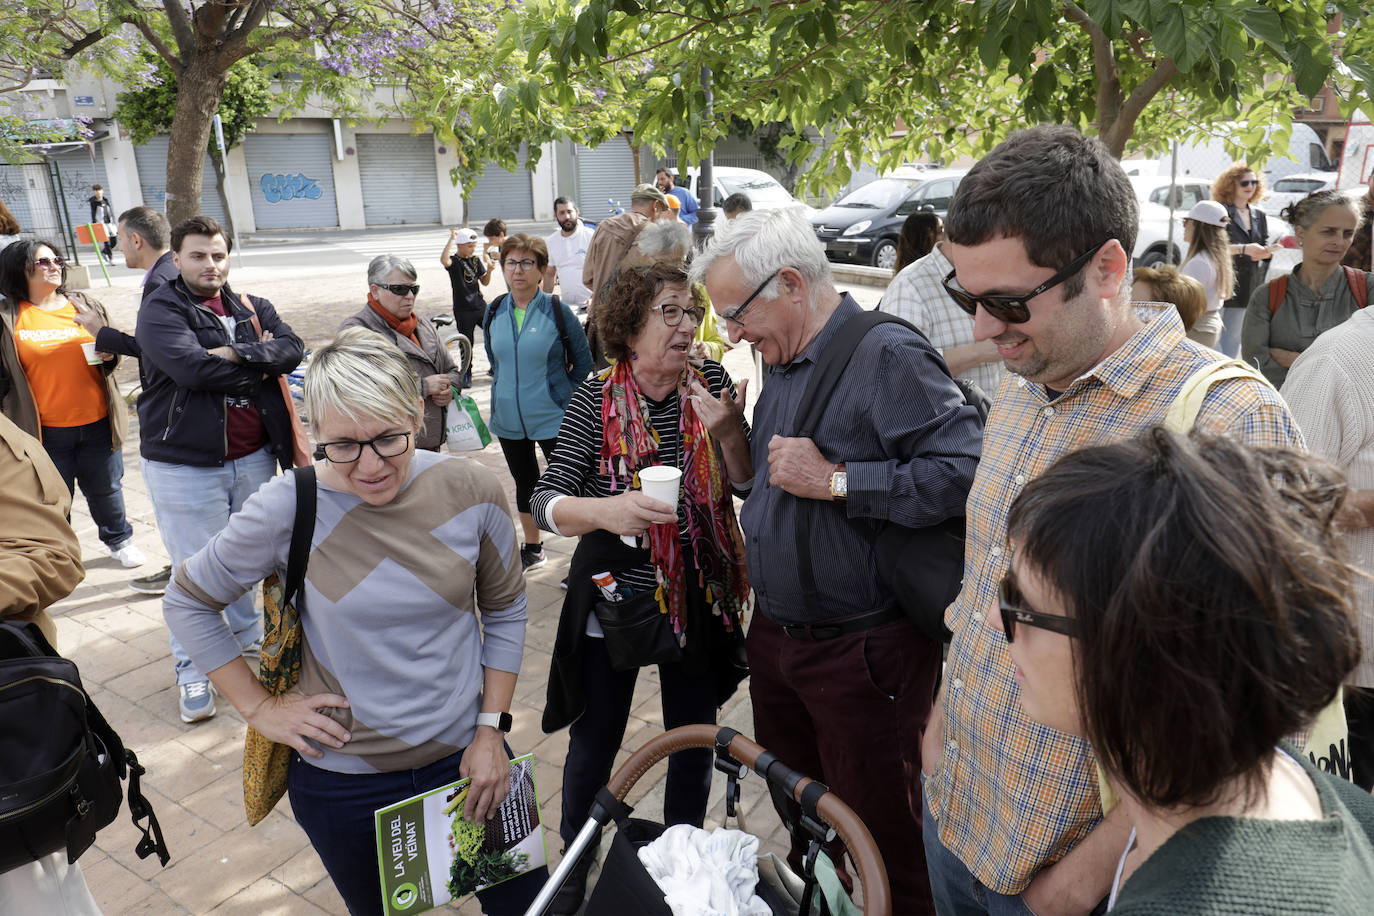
[(822, 817)]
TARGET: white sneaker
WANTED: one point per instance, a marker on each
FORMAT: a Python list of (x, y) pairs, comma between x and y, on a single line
[(128, 555), (196, 701)]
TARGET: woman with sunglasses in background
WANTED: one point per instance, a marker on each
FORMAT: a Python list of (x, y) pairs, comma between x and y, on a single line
[(1237, 189), (390, 311), (411, 645), (1318, 295), (1185, 659), (535, 371), (56, 387), (651, 407)]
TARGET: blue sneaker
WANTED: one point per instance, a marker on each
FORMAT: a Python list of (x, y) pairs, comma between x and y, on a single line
[(197, 701)]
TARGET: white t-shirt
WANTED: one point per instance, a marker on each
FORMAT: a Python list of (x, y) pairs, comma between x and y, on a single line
[(1201, 269), (567, 252)]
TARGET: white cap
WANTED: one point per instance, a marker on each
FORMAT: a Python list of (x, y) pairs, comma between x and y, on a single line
[(465, 235), (1209, 212)]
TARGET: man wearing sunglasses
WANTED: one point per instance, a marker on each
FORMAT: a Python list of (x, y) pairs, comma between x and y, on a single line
[(1038, 238), (213, 424), (840, 679)]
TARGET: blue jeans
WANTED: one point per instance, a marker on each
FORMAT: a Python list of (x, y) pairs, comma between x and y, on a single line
[(336, 811), (192, 504), (86, 455), (957, 892), (1232, 320)]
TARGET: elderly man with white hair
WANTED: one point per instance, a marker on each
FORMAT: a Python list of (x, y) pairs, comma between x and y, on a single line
[(841, 680)]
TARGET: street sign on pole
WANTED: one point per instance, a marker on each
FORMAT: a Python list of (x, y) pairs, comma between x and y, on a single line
[(224, 164)]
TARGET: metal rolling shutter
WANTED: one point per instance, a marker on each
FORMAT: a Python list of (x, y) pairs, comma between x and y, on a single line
[(78, 174), (502, 193), (291, 180), (151, 159), (399, 180), (604, 173)]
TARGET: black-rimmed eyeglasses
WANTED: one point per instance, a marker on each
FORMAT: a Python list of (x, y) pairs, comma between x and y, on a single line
[(1013, 309), (401, 289), (737, 316), (347, 451), (673, 314), (1015, 611)]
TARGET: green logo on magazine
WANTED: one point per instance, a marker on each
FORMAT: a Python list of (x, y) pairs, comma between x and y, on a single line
[(405, 897)]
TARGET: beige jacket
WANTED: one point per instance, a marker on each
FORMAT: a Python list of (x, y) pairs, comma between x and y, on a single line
[(40, 559), (18, 403)]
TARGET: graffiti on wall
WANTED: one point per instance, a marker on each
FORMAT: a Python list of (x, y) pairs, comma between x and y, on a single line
[(282, 188)]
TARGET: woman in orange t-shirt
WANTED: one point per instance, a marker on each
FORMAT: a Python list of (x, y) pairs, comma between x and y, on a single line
[(56, 387)]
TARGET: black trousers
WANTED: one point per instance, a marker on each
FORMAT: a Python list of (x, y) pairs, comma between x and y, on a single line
[(524, 466)]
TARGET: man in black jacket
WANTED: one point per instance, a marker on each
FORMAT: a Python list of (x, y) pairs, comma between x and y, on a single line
[(212, 418)]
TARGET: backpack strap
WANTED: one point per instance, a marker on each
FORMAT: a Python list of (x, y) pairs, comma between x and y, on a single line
[(302, 531), (1359, 286), (1187, 404), (561, 324), (1278, 288)]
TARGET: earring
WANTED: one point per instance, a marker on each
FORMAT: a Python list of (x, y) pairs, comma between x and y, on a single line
[(634, 355)]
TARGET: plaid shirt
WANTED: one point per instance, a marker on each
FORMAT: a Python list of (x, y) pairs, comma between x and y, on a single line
[(1010, 795), (917, 295)]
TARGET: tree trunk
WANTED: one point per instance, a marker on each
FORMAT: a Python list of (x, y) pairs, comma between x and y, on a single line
[(199, 89), (634, 151)]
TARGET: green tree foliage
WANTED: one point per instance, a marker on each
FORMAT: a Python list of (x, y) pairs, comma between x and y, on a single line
[(891, 80), (147, 110)]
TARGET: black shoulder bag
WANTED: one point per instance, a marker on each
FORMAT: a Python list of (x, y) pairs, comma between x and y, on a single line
[(61, 764), (923, 567)]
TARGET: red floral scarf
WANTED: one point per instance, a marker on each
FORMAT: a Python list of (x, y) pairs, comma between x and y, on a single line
[(630, 442)]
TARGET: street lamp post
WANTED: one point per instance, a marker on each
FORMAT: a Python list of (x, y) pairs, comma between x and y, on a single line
[(706, 192)]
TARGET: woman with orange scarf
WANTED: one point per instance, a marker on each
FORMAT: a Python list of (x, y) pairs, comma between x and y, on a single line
[(651, 407), (390, 311)]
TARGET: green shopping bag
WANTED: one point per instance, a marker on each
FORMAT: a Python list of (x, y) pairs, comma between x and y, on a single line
[(463, 425)]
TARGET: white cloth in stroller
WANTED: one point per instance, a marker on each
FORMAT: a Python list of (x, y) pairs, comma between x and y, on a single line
[(706, 873)]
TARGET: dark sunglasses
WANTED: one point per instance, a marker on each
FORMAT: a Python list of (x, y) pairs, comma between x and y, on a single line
[(1015, 611), (1248, 183), (49, 262), (1013, 309), (737, 316), (401, 289)]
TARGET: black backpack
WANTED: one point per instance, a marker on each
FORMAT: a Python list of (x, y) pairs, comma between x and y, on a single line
[(923, 567), (61, 764)]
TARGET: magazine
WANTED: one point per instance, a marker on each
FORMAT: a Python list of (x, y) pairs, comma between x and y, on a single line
[(429, 855)]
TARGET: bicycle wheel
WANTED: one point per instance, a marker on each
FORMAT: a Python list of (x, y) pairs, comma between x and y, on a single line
[(460, 350)]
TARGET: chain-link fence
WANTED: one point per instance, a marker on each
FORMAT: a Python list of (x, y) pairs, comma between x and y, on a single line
[(33, 192)]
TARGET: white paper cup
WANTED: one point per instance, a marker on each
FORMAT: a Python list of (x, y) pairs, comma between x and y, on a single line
[(88, 348), (662, 483), (659, 482)]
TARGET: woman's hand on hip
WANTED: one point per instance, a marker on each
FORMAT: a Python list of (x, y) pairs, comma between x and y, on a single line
[(292, 718), (722, 414), (485, 761), (632, 513)]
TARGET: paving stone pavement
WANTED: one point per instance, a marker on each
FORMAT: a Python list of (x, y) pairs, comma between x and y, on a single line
[(118, 638)]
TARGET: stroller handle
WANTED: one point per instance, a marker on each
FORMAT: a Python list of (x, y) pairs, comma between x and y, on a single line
[(857, 839)]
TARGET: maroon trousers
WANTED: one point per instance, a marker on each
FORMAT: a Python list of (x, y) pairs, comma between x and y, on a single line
[(850, 712)]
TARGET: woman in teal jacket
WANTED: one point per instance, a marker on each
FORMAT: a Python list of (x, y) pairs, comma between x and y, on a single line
[(538, 359)]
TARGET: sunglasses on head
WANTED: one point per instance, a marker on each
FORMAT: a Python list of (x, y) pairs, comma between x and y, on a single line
[(1016, 611), (401, 289), (1013, 309)]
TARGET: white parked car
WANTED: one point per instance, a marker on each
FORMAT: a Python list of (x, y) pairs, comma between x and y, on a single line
[(1153, 242), (1292, 188), (762, 189)]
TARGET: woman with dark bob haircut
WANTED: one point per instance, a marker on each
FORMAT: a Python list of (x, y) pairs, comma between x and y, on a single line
[(684, 561), (1184, 653)]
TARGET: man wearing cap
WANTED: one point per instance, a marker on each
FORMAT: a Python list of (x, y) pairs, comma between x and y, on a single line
[(1209, 263), (614, 236), (465, 272), (567, 254), (687, 203)]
